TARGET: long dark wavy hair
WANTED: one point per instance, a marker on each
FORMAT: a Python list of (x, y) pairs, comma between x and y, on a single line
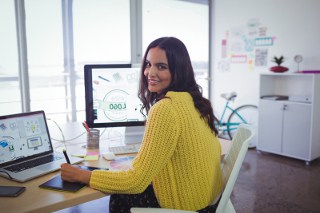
[(183, 79)]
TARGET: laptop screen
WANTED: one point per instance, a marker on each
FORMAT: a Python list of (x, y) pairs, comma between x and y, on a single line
[(23, 135)]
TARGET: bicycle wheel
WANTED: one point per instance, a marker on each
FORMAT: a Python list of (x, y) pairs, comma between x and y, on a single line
[(247, 114)]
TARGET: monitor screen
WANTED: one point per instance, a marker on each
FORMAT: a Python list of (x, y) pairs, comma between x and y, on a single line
[(111, 92)]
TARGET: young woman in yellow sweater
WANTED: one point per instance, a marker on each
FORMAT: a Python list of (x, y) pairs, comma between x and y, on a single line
[(178, 164)]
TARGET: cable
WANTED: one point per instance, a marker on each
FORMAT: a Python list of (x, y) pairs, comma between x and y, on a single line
[(63, 138), (68, 140)]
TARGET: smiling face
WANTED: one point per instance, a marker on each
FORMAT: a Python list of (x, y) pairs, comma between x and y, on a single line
[(157, 70)]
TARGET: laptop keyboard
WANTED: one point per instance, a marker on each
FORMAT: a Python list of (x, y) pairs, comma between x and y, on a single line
[(33, 163)]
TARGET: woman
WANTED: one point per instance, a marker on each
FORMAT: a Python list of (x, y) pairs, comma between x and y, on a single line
[(178, 164)]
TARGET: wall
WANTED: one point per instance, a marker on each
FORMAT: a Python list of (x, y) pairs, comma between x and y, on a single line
[(289, 28)]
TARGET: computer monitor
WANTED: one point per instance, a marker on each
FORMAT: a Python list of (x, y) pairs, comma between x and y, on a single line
[(111, 92)]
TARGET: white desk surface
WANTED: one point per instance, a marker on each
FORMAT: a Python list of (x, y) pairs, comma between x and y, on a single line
[(35, 199)]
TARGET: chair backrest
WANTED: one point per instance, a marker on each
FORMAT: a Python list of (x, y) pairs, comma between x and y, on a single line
[(232, 162)]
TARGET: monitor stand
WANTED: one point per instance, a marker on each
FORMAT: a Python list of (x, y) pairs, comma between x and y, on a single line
[(133, 134)]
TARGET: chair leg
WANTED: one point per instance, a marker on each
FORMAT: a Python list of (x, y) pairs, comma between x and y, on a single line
[(230, 208)]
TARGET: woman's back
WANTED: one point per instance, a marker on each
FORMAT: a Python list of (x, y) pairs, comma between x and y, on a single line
[(186, 152)]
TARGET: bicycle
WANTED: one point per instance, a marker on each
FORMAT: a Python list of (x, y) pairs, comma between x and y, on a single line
[(247, 114)]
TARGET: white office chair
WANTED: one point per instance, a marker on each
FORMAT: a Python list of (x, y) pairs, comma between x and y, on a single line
[(230, 165)]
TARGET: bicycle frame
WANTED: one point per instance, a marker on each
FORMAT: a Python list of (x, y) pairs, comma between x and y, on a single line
[(228, 125)]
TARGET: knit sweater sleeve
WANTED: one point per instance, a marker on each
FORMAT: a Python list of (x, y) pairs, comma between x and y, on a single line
[(160, 138)]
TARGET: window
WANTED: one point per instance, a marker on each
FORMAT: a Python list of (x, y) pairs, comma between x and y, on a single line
[(48, 81), (101, 35), (101, 31), (10, 97), (62, 36), (186, 20)]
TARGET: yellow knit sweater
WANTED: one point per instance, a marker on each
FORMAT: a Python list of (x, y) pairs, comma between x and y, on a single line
[(179, 155)]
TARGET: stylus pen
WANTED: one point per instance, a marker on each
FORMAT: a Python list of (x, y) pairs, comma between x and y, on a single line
[(66, 156), (103, 78)]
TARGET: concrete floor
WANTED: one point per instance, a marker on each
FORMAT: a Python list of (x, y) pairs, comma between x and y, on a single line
[(267, 183), (272, 183)]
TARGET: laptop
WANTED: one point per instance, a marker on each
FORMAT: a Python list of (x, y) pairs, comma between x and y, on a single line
[(26, 150)]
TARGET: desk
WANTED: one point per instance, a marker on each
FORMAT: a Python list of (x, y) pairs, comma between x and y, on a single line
[(35, 199)]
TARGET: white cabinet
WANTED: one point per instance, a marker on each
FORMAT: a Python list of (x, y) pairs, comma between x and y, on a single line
[(286, 127), (270, 126), (296, 130)]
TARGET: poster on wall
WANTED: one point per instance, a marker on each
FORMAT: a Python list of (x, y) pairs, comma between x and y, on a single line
[(245, 45)]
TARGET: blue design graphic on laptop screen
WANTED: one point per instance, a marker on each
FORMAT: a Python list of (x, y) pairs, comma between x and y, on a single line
[(23, 137)]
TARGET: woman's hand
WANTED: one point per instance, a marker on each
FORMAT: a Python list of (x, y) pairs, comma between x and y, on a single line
[(74, 174)]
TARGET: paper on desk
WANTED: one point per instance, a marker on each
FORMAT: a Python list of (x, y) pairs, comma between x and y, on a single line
[(91, 156), (79, 155), (122, 163)]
